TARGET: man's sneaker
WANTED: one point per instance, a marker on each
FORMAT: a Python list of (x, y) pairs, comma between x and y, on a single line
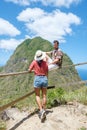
[(42, 115)]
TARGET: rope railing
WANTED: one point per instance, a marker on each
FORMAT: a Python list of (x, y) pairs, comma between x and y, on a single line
[(27, 72)]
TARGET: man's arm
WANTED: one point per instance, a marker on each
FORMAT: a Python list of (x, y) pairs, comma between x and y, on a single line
[(48, 53)]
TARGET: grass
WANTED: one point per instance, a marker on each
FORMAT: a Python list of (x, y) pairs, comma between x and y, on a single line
[(2, 125), (82, 128), (79, 95), (63, 96)]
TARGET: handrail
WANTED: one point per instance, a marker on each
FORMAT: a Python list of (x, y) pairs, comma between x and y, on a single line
[(82, 63), (20, 98), (15, 73), (32, 92), (27, 72)]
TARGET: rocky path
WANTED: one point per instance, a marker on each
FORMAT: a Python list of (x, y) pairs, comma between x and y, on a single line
[(65, 117)]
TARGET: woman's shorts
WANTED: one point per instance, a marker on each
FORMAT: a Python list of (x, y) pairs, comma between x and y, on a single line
[(40, 81)]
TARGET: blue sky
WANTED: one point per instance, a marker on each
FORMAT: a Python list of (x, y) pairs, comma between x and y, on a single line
[(64, 20)]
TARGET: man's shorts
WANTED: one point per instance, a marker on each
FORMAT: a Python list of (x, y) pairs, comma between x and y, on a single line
[(52, 66), (40, 81)]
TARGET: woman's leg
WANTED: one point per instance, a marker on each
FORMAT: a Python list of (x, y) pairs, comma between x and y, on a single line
[(38, 100), (44, 99), (42, 114), (48, 59)]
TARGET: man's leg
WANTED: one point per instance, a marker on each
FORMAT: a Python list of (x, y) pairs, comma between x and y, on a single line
[(52, 67), (49, 61)]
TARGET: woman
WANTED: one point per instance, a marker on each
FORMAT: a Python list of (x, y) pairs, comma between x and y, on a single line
[(40, 68)]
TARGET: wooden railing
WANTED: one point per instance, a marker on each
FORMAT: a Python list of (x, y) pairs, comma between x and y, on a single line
[(2, 108)]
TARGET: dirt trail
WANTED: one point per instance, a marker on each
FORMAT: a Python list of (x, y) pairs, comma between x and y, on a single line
[(64, 117)]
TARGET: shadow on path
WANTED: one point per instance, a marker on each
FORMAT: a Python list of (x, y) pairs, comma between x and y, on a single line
[(24, 119), (27, 117)]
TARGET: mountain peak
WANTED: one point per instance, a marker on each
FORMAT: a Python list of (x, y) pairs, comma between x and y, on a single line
[(20, 61)]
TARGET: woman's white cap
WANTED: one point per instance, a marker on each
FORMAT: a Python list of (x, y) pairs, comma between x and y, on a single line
[(40, 55)]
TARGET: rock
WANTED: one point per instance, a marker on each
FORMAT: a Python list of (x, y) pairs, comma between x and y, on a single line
[(4, 116)]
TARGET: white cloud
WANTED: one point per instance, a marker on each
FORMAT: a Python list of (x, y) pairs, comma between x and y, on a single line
[(29, 15), (10, 44), (20, 2), (57, 3), (7, 28), (53, 25)]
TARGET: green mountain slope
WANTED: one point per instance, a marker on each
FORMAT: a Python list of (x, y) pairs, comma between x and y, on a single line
[(12, 87)]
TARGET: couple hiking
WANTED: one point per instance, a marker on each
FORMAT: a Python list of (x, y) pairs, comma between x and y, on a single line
[(41, 64)]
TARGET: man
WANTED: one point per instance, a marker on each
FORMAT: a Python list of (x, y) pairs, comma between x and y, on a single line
[(40, 68), (56, 56)]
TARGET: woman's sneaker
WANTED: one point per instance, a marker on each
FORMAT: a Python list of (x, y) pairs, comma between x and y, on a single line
[(42, 115)]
